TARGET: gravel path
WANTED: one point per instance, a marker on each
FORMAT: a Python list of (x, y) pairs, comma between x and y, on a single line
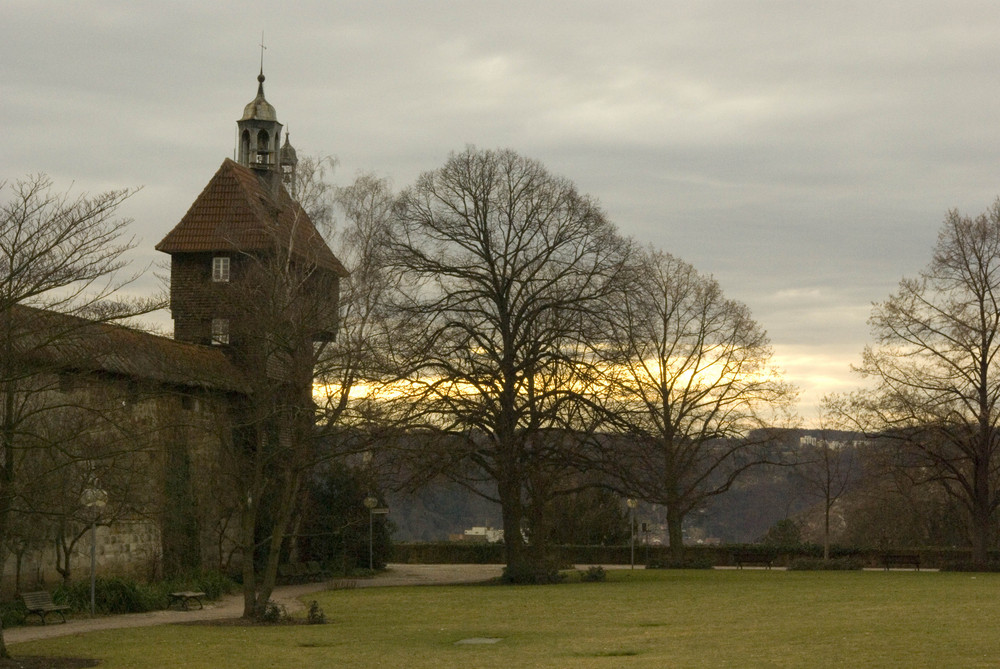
[(231, 606)]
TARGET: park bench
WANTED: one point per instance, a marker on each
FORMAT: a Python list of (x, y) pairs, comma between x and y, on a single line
[(901, 560), (41, 604), (185, 596), (741, 558)]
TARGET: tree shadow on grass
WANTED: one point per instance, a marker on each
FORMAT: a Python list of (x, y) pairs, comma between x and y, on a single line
[(39, 662)]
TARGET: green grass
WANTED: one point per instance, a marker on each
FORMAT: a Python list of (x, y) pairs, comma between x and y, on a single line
[(749, 618)]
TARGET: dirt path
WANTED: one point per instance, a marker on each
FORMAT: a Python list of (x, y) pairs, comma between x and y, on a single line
[(231, 606)]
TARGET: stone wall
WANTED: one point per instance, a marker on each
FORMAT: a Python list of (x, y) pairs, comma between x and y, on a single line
[(158, 451)]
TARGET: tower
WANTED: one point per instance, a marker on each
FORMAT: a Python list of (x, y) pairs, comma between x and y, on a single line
[(241, 223), (289, 160)]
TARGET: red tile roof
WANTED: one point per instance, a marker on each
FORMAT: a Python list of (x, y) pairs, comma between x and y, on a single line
[(58, 342), (240, 211)]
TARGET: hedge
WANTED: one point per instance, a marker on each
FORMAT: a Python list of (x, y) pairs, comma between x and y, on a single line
[(718, 555)]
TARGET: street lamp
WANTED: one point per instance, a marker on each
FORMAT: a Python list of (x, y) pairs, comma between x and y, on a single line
[(94, 499), (632, 502), (370, 503)]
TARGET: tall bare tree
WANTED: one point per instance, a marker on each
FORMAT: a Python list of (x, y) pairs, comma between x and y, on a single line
[(690, 384), (827, 469), (312, 349), (935, 367), (504, 266), (62, 272)]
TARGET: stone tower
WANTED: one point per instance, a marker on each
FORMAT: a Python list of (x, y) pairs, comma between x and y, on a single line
[(243, 219)]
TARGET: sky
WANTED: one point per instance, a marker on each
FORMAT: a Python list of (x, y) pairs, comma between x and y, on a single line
[(805, 154)]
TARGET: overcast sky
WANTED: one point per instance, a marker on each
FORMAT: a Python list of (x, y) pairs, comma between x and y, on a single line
[(805, 154)]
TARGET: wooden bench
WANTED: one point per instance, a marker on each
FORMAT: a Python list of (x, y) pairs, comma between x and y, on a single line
[(901, 560), (184, 597), (41, 604), (741, 558)]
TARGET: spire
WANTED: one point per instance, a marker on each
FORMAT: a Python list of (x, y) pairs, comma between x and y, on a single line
[(288, 160), (260, 77)]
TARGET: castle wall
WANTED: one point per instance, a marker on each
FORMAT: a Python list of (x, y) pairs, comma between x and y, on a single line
[(158, 451)]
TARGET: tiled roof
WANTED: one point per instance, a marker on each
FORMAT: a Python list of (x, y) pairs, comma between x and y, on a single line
[(63, 343), (240, 211)]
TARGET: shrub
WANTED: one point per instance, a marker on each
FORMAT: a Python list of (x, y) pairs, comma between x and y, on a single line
[(111, 595), (12, 613), (273, 612), (968, 566), (594, 574), (315, 616), (214, 584), (531, 575), (819, 564)]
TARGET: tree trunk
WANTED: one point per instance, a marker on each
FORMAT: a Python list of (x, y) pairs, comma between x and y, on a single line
[(6, 471), (981, 531), (280, 523), (675, 532), (826, 532), (248, 523), (521, 562)]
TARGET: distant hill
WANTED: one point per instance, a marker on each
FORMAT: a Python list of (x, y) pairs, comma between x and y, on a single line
[(438, 510)]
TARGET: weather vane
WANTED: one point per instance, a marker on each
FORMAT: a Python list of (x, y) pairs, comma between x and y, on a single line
[(262, 47)]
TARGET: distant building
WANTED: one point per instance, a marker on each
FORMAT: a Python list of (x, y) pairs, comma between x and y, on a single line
[(479, 535)]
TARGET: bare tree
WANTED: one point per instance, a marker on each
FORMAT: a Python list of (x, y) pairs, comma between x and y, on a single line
[(690, 385), (502, 267), (935, 368), (357, 354), (316, 194), (311, 349), (285, 305), (61, 258), (827, 469)]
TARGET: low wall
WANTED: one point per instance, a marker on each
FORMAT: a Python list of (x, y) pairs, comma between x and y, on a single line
[(127, 547)]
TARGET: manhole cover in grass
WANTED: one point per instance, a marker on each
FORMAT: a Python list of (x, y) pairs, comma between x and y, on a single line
[(478, 641)]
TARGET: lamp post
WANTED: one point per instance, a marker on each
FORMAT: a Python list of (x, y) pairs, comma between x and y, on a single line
[(370, 503), (632, 502), (94, 499)]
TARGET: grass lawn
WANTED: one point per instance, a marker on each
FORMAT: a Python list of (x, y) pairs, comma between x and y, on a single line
[(750, 618)]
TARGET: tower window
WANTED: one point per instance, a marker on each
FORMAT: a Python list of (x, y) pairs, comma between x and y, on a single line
[(220, 269), (220, 331), (263, 147), (245, 148)]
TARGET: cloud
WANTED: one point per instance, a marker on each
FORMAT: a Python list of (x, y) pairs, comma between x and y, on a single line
[(803, 153)]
